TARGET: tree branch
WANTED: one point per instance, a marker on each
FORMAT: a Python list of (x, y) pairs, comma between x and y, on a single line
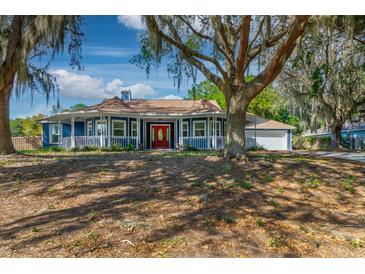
[(206, 37), (276, 64), (243, 48), (177, 42)]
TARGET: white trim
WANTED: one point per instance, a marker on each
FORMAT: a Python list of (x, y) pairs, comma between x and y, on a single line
[(214, 128), (187, 128), (72, 132), (97, 122), (169, 134), (205, 127), (60, 127), (136, 123), (124, 125)]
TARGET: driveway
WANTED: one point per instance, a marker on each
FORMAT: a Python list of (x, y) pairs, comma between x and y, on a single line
[(354, 156)]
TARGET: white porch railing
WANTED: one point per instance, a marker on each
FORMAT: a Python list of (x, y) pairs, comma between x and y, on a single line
[(98, 141), (211, 142)]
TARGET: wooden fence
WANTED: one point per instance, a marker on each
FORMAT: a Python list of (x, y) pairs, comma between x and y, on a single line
[(25, 143)]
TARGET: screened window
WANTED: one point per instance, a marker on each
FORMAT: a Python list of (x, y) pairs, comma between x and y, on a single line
[(185, 129), (89, 128), (54, 132), (134, 129), (119, 128), (101, 127), (217, 128), (199, 128), (225, 128)]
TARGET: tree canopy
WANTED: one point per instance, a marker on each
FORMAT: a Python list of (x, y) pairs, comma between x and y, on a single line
[(29, 126), (325, 79), (28, 45), (269, 104), (222, 48)]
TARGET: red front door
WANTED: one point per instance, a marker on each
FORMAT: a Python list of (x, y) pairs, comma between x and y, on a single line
[(160, 136)]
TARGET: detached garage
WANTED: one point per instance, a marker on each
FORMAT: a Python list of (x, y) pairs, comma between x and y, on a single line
[(269, 134)]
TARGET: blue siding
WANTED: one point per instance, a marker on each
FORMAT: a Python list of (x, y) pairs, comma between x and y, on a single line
[(80, 129), (357, 133), (45, 135)]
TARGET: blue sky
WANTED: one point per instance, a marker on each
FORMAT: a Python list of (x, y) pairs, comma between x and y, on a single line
[(110, 43)]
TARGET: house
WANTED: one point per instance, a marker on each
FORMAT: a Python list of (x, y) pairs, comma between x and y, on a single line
[(352, 133), (157, 124)]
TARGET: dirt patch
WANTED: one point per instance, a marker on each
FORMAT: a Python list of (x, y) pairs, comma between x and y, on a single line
[(142, 204)]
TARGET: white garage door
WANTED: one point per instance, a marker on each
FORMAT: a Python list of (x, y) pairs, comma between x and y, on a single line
[(269, 139)]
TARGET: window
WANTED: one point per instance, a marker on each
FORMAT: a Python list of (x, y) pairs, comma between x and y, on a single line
[(119, 128), (89, 129), (134, 129), (101, 127), (54, 133), (217, 128), (185, 129), (199, 128), (225, 128)]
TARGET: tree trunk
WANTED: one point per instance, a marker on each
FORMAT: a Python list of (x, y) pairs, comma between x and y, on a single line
[(336, 139), (236, 119), (6, 145)]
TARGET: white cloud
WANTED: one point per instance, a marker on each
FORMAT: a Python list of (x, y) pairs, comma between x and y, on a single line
[(131, 21), (171, 96), (83, 86)]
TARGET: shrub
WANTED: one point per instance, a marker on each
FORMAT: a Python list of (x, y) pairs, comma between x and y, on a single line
[(190, 148), (356, 243), (229, 219), (260, 222), (314, 183), (245, 185), (279, 190), (90, 148), (347, 184), (75, 149), (55, 149), (115, 147), (312, 142), (35, 229), (274, 203), (130, 147), (267, 179), (256, 148)]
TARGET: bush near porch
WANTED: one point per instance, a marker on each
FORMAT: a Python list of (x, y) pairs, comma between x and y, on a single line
[(188, 204)]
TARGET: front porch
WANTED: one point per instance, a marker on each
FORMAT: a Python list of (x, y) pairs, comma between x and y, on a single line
[(203, 132), (201, 143)]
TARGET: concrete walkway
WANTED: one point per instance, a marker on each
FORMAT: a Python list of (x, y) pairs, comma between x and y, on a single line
[(353, 156)]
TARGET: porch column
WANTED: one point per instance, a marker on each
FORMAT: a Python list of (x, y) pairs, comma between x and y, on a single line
[(181, 135), (208, 134), (255, 133), (138, 137), (101, 130), (59, 129), (108, 128), (72, 132), (215, 132), (175, 133)]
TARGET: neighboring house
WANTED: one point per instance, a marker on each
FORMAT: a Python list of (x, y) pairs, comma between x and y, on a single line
[(157, 124), (353, 134)]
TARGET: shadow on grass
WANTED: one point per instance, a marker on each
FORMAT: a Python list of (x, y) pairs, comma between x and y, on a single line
[(195, 190)]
